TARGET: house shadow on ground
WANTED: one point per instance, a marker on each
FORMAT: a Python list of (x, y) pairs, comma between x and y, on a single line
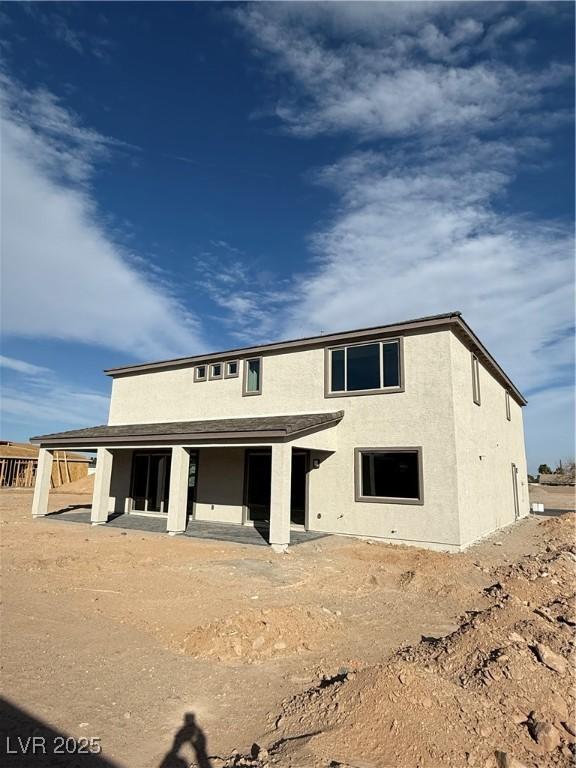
[(25, 741)]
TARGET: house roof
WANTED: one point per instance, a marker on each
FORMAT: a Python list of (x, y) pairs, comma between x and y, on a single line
[(452, 320), (188, 431)]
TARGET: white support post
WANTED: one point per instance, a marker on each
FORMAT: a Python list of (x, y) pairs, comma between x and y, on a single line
[(102, 479), (42, 484), (280, 496), (178, 492)]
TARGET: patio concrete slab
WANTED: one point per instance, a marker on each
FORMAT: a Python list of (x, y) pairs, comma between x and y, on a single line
[(197, 529)]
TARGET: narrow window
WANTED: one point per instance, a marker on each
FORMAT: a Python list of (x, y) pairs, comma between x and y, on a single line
[(508, 414), (231, 369), (475, 380), (216, 371), (200, 373), (389, 475), (391, 364), (338, 370), (253, 376)]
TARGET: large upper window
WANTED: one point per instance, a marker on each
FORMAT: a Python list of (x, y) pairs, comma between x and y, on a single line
[(253, 376), (365, 367), (389, 475)]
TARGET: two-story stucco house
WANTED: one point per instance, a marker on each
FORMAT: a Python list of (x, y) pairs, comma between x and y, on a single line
[(407, 433)]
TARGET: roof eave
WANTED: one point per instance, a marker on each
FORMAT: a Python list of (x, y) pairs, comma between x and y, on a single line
[(64, 440), (331, 338)]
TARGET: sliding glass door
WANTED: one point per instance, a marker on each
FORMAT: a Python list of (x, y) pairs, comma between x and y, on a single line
[(150, 482)]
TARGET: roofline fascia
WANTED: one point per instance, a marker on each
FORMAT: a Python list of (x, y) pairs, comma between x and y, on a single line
[(483, 353), (331, 338), (452, 319), (177, 439)]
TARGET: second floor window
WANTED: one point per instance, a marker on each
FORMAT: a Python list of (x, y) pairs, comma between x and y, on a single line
[(253, 376), (365, 367), (475, 380), (216, 371)]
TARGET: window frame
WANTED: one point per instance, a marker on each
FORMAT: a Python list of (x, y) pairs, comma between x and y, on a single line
[(358, 497), (211, 375), (245, 391), (200, 378), (508, 406), (228, 375), (476, 392), (381, 390)]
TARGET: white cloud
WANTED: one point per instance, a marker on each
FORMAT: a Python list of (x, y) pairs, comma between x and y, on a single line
[(247, 296), (418, 240), (37, 399), (417, 228), (64, 276), (21, 366), (48, 402), (404, 81)]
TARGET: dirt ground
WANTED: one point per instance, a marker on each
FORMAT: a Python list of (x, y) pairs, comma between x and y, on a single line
[(129, 636), (554, 497)]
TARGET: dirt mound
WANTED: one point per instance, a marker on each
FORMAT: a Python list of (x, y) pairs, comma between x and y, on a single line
[(500, 687), (258, 635), (83, 485)]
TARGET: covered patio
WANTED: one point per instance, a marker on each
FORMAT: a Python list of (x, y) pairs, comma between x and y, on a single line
[(247, 472), (237, 534)]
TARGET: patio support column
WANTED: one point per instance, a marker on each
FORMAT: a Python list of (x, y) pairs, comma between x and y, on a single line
[(280, 496), (178, 492), (42, 484), (102, 479)]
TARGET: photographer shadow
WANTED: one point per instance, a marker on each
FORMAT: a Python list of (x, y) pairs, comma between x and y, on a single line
[(190, 734)]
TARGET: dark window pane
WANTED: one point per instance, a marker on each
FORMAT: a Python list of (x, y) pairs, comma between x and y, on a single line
[(395, 475), (216, 370), (367, 489), (201, 372), (168, 466), (363, 367), (140, 476), (337, 370), (391, 364), (154, 482), (232, 369)]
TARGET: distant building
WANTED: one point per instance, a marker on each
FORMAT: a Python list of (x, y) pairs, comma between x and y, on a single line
[(18, 466), (558, 478)]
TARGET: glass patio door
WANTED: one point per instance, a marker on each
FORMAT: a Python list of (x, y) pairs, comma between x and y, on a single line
[(150, 482)]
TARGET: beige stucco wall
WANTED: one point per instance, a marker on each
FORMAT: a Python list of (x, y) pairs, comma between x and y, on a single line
[(120, 481), (421, 416), (486, 446), (293, 382), (220, 488)]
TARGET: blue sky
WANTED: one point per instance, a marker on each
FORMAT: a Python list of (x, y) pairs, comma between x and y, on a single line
[(186, 177)]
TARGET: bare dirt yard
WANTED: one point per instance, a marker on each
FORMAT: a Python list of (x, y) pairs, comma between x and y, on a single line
[(176, 651)]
